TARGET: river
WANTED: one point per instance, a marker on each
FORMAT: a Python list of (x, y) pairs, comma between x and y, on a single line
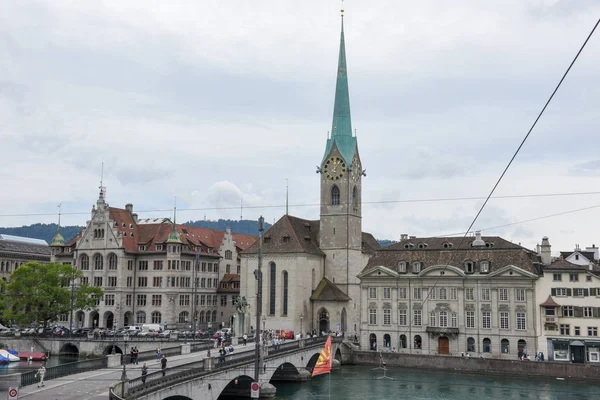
[(360, 382), (24, 366)]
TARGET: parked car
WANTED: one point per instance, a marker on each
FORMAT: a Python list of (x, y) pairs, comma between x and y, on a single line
[(149, 333)]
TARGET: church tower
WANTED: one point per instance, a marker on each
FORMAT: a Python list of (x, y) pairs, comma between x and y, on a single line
[(340, 236)]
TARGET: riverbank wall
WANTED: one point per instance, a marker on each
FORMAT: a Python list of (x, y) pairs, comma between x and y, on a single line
[(479, 365)]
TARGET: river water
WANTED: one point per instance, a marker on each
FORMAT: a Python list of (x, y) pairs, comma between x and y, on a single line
[(24, 366), (360, 382)]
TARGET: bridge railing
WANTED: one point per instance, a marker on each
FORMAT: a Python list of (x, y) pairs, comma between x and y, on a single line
[(196, 347), (155, 379), (29, 378)]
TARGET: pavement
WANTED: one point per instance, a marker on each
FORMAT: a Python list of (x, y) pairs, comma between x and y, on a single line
[(94, 385)]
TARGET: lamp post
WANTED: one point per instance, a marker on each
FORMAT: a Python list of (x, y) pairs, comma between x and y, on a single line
[(264, 320), (301, 318), (124, 374), (72, 299), (258, 276), (233, 327), (114, 336)]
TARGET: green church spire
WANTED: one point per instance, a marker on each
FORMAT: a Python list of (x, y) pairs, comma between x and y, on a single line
[(58, 239), (174, 236), (341, 127)]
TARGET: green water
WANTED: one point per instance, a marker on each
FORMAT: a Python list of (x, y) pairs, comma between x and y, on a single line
[(24, 366), (359, 382)]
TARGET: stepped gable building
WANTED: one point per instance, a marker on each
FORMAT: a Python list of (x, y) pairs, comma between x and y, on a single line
[(16, 251), (569, 305), (310, 267), (438, 296), (146, 269)]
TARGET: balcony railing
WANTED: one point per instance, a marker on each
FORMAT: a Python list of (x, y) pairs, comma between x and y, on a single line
[(551, 319), (442, 330)]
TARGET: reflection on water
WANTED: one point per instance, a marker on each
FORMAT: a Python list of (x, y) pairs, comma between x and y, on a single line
[(359, 382), (24, 366)]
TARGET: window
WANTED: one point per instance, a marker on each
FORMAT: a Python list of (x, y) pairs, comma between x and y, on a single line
[(431, 293), (485, 294), (140, 317), (157, 300), (202, 300), (470, 344), (484, 267), (184, 300), (203, 267), (443, 319), (272, 283), (503, 294), (453, 293), (443, 294), (141, 299), (470, 319), (560, 291), (402, 266), (157, 281), (587, 312), (228, 254), (128, 300), (521, 324), (402, 318), (520, 294), (417, 293), (142, 265), (568, 311), (402, 293), (416, 267), (285, 293), (469, 267), (335, 196), (130, 265), (372, 292), (565, 329), (158, 265), (112, 281), (432, 319), (557, 277), (592, 331), (155, 317), (98, 281), (454, 320), (387, 317), (98, 262), (579, 292), (486, 320), (574, 277), (487, 345), (504, 320), (417, 316), (588, 278), (214, 301), (112, 261), (223, 301), (387, 293), (372, 317), (109, 300), (418, 342), (142, 281), (84, 262), (469, 294), (577, 331), (203, 282)]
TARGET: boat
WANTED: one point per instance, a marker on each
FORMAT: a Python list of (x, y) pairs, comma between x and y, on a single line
[(35, 355), (6, 357)]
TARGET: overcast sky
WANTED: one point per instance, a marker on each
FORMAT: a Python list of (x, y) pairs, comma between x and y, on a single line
[(216, 100)]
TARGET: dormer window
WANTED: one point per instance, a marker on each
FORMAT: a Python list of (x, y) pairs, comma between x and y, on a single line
[(489, 244), (159, 247), (402, 266), (286, 238), (447, 245), (422, 245), (416, 267), (267, 239), (130, 226), (484, 267), (469, 267), (409, 246), (142, 247)]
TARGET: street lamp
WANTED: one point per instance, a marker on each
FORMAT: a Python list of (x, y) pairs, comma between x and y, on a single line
[(124, 374), (233, 327), (301, 318), (264, 319), (114, 336)]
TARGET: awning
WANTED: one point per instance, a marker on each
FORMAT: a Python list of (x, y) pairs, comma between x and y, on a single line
[(577, 343)]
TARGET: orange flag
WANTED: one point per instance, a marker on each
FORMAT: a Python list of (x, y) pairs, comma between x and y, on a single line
[(323, 365)]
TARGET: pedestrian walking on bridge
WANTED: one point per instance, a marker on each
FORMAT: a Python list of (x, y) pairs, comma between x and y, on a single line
[(163, 364), (41, 372)]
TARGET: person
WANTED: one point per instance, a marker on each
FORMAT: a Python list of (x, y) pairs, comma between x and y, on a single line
[(158, 354), (41, 372), (245, 337), (144, 373), (132, 355), (163, 364), (468, 355), (136, 355)]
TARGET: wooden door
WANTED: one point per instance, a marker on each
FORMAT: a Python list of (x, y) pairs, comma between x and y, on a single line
[(443, 345)]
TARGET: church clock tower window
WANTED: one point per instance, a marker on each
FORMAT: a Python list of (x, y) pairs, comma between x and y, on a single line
[(335, 196)]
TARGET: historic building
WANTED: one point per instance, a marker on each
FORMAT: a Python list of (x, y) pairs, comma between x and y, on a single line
[(310, 267), (151, 270), (16, 251), (451, 296), (569, 305)]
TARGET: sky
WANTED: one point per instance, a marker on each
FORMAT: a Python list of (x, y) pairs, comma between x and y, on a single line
[(215, 103)]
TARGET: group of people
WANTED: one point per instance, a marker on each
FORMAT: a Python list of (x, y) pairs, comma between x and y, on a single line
[(163, 365), (135, 355)]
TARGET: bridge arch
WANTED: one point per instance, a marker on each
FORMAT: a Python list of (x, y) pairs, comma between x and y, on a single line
[(338, 355), (177, 397), (312, 361), (68, 349), (237, 387), (109, 348), (284, 371)]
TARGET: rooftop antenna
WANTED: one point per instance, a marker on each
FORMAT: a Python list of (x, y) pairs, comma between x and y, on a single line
[(286, 196)]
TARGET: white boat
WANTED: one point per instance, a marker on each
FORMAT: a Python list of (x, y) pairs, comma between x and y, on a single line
[(8, 357)]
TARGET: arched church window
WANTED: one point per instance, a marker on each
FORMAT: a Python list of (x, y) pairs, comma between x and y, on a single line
[(355, 198), (272, 282), (285, 292), (335, 196), (84, 262)]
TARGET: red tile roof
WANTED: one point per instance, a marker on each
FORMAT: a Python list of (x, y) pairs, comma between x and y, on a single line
[(550, 303)]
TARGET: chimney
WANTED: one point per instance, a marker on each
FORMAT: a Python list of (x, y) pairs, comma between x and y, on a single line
[(135, 217), (403, 236), (594, 250), (545, 251), (129, 208), (478, 242), (413, 237)]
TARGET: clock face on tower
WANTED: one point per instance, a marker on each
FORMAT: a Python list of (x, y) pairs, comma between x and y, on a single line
[(334, 168)]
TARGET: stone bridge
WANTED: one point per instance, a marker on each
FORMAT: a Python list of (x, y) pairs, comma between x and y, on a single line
[(209, 378)]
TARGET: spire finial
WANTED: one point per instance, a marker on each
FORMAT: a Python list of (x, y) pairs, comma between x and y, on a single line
[(58, 240), (286, 196), (174, 236)]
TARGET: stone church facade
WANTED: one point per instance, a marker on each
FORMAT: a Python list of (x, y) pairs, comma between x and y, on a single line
[(310, 267)]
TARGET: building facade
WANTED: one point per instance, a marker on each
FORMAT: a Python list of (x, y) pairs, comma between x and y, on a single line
[(451, 296), (16, 251), (310, 267), (151, 270), (569, 306)]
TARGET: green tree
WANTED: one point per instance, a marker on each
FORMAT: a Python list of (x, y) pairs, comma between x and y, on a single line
[(39, 293)]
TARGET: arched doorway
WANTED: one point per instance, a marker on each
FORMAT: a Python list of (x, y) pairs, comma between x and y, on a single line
[(373, 342), (443, 345), (387, 341), (487, 345), (418, 342), (470, 345), (79, 319), (323, 321), (109, 319), (522, 348), (128, 319), (402, 341), (343, 324), (505, 346), (94, 319)]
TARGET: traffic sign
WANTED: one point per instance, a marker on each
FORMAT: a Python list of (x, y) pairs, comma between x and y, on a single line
[(13, 393), (254, 390)]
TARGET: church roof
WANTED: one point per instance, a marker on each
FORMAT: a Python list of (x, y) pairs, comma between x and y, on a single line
[(369, 243), (327, 291), (341, 127)]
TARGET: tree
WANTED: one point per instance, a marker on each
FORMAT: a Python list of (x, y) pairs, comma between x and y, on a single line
[(39, 293)]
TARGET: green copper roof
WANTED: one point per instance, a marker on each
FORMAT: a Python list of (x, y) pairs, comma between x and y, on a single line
[(58, 240), (174, 236), (341, 128)]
